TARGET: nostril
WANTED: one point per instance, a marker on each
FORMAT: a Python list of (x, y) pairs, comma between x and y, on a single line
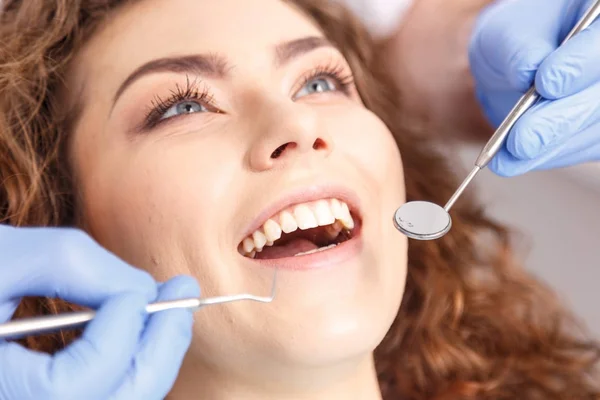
[(319, 144), (278, 151)]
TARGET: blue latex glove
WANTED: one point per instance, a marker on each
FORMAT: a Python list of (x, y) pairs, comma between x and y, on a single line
[(123, 354), (513, 40)]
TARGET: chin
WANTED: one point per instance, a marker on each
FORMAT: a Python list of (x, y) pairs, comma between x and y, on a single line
[(320, 318), (333, 315), (348, 337)]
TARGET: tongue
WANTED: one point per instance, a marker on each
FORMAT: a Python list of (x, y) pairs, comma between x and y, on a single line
[(289, 249)]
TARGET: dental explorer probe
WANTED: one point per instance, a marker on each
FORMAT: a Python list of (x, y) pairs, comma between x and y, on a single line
[(423, 220), (23, 327)]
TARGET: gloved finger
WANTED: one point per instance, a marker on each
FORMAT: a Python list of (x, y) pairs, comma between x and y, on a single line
[(507, 48), (7, 309), (65, 263), (164, 343), (550, 123), (569, 156), (89, 368), (573, 67), (583, 147), (584, 7), (503, 101)]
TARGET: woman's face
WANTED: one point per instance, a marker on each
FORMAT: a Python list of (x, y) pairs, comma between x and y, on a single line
[(210, 127)]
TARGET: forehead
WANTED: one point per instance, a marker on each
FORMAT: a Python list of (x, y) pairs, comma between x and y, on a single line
[(145, 30)]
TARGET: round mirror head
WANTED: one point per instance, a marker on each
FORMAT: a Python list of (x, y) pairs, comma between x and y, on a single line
[(422, 220)]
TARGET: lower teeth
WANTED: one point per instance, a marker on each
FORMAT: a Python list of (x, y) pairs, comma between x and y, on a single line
[(331, 246)]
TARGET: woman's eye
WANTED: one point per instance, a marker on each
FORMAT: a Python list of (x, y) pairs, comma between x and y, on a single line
[(184, 107), (316, 85)]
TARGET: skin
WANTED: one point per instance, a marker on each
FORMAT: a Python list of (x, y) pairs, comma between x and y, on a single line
[(178, 198)]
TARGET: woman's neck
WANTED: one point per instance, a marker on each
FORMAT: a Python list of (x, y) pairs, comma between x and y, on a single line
[(344, 382)]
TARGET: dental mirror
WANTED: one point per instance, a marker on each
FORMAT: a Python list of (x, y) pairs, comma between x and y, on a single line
[(422, 220)]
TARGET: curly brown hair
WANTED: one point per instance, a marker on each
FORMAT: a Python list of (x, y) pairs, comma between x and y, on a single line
[(472, 324)]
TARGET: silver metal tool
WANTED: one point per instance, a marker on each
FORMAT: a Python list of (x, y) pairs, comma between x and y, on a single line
[(20, 328), (423, 220)]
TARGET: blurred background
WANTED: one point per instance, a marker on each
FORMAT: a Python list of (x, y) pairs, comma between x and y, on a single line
[(558, 213)]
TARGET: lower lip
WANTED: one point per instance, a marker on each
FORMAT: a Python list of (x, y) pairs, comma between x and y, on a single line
[(319, 260)]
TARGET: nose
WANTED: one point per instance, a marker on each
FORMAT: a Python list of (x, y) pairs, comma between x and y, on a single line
[(288, 134)]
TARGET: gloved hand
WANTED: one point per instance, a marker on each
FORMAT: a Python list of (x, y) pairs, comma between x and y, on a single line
[(514, 44), (123, 354)]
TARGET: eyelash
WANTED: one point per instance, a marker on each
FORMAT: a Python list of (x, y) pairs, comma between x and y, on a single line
[(338, 72), (192, 92)]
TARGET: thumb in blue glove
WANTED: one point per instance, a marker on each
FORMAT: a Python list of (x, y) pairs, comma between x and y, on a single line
[(514, 46), (122, 354)]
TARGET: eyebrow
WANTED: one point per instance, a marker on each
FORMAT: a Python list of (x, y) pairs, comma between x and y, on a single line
[(216, 65), (288, 51)]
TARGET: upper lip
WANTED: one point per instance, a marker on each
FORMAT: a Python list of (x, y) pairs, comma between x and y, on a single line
[(304, 195)]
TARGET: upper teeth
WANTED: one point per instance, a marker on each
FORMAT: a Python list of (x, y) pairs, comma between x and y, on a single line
[(303, 216)]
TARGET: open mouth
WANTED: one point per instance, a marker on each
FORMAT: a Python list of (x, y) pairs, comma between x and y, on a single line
[(302, 229)]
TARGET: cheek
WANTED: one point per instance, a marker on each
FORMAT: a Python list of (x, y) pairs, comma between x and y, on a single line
[(375, 154), (152, 203), (372, 148)]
